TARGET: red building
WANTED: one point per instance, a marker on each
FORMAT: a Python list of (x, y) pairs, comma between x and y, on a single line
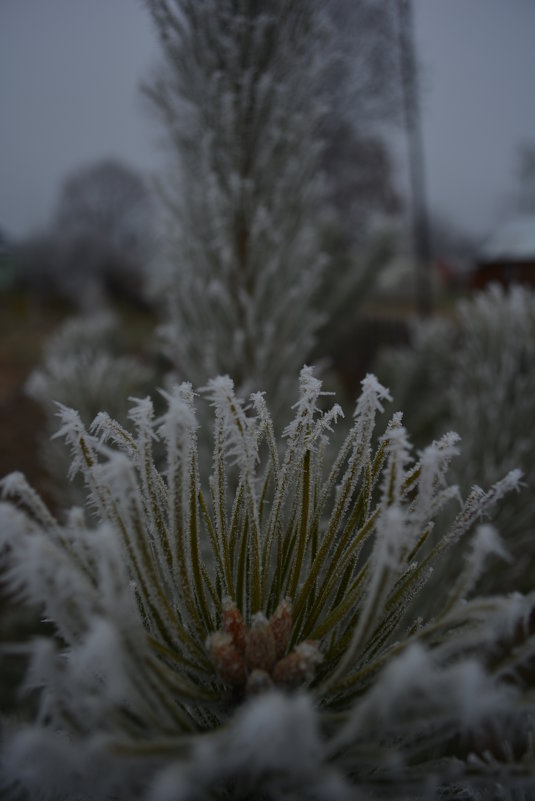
[(508, 256)]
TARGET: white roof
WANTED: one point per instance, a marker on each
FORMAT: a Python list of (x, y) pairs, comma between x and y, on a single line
[(513, 239)]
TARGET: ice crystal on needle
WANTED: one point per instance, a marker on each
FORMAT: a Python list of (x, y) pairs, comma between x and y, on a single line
[(272, 630)]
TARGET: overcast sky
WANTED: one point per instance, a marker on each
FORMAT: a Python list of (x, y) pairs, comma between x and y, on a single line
[(69, 94)]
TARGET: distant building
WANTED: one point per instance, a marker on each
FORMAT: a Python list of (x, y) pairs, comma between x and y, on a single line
[(508, 256)]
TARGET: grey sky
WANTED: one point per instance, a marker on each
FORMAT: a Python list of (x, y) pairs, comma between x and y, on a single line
[(478, 101), (69, 77), (70, 71)]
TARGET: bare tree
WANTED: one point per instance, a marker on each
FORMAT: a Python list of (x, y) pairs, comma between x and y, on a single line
[(524, 194), (102, 229), (367, 100), (366, 86)]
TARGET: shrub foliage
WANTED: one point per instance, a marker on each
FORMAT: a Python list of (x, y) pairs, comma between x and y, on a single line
[(274, 629)]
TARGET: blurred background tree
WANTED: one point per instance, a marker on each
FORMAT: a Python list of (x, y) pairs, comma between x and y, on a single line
[(474, 374), (279, 172), (103, 227), (524, 193), (85, 365), (242, 93), (99, 241)]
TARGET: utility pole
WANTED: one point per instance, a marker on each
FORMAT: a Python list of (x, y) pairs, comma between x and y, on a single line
[(411, 106)]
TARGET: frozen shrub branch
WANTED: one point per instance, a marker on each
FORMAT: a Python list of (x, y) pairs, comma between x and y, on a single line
[(476, 374), (264, 629)]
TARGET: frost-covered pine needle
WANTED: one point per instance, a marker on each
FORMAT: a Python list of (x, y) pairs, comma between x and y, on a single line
[(275, 629)]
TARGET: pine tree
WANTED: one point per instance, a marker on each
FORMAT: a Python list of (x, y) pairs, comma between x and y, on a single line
[(274, 629), (474, 373), (242, 93)]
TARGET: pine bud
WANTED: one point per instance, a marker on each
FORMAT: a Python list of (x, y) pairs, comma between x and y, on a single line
[(226, 658), (234, 625), (281, 626), (260, 645), (299, 665)]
